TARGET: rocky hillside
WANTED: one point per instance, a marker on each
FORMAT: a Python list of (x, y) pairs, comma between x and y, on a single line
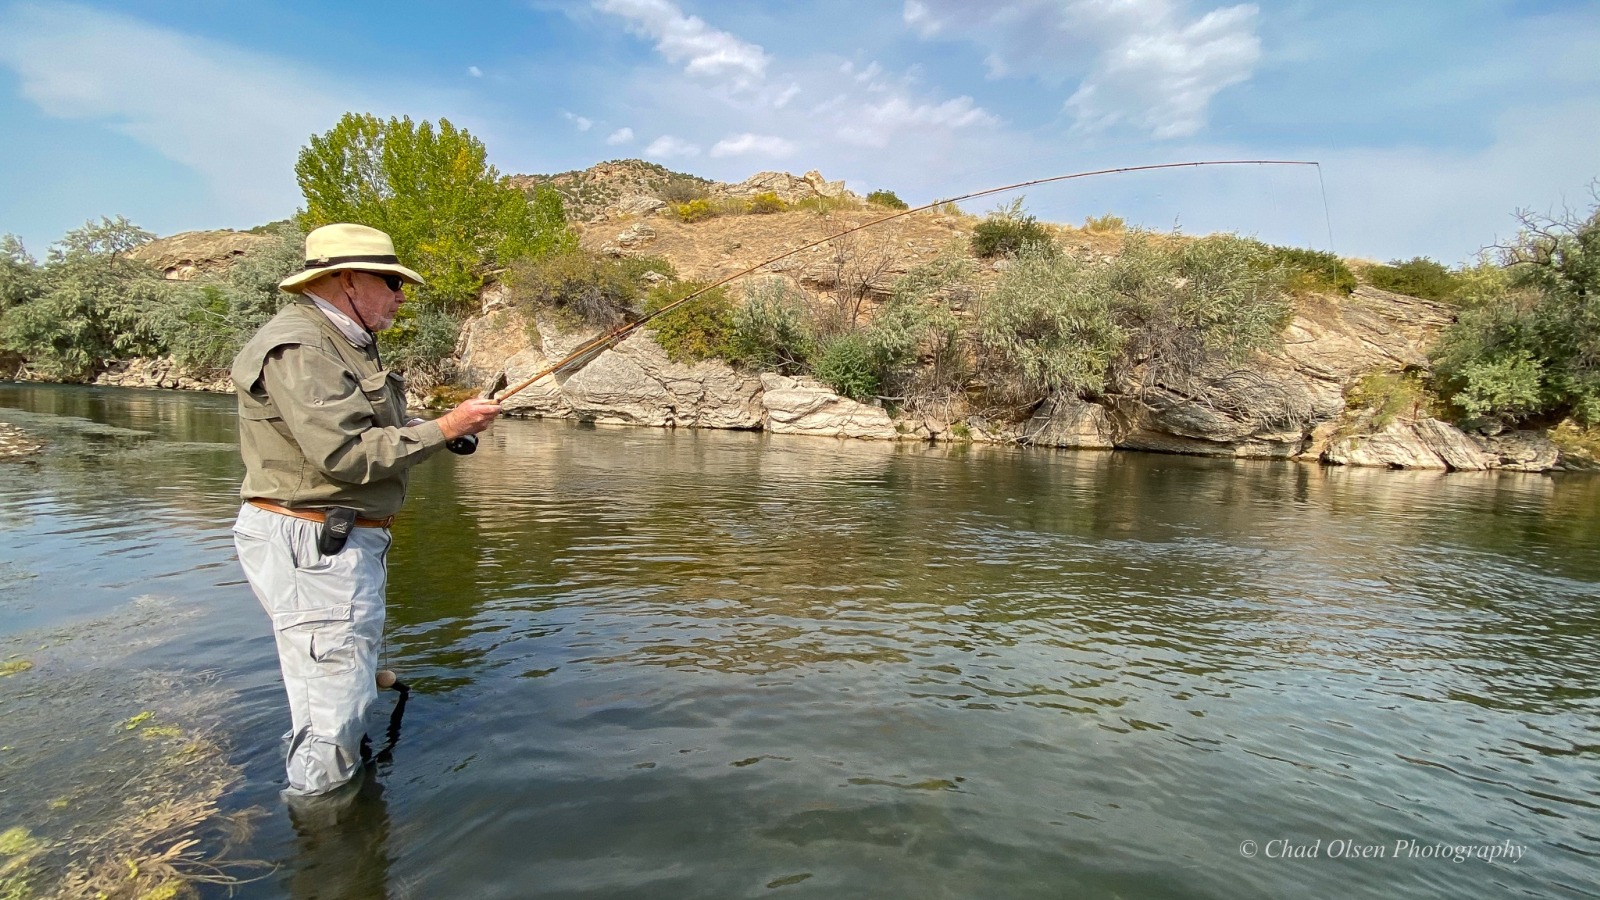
[(632, 187)]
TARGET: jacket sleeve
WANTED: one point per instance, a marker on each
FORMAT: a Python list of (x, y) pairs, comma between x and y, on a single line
[(334, 422)]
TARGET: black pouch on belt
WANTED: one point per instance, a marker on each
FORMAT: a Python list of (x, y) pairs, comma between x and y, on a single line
[(336, 530)]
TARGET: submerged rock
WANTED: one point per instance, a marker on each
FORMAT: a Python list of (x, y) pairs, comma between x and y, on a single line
[(17, 444)]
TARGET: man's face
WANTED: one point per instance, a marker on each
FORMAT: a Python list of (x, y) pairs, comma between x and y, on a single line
[(376, 301)]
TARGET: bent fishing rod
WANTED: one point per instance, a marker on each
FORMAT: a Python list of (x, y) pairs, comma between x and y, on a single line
[(594, 346)]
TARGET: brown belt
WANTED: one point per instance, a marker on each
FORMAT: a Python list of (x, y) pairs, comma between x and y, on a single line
[(314, 515)]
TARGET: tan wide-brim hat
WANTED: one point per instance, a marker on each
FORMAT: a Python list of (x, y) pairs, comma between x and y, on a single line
[(344, 246)]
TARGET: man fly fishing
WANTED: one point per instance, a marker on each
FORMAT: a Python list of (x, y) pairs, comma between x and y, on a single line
[(327, 450)]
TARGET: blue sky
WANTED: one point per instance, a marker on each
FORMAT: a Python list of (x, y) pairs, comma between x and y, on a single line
[(1433, 121)]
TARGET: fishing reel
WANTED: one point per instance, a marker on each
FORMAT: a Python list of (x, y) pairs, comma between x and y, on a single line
[(465, 445)]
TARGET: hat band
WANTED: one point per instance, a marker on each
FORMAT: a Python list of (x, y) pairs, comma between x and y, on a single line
[(325, 262)]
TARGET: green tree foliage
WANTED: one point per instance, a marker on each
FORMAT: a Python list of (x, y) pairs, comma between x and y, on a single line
[(699, 329), (88, 303), (1169, 307), (773, 329), (205, 323), (1532, 350), (1009, 231), (886, 199), (453, 217), (1418, 277)]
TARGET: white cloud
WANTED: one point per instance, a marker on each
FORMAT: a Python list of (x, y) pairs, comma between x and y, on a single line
[(1147, 64), (758, 144), (669, 147), (875, 125), (474, 71), (620, 136), (147, 83), (578, 122), (918, 16), (680, 38)]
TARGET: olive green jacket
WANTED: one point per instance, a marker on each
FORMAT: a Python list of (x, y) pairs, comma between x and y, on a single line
[(321, 423)]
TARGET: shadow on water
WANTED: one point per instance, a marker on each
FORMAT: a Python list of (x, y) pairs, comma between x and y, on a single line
[(702, 664)]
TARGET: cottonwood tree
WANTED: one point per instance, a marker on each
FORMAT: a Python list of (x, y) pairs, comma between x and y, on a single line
[(453, 217)]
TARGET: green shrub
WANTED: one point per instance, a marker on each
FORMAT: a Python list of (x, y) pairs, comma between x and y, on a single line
[(579, 285), (846, 363), (1105, 223), (1418, 277), (699, 329), (637, 267), (1390, 396), (917, 341), (1050, 325), (1527, 344), (693, 210), (1169, 307), (1009, 231), (886, 199), (1310, 271), (766, 202), (421, 343), (88, 303), (772, 331), (683, 190)]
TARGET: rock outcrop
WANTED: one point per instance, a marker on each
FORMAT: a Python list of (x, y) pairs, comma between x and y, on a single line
[(633, 383), (1070, 423), (162, 373), (1428, 443), (804, 406), (191, 254)]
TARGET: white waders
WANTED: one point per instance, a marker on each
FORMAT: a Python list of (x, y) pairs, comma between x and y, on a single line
[(327, 612)]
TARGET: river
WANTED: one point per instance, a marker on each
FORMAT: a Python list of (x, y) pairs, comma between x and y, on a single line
[(684, 663)]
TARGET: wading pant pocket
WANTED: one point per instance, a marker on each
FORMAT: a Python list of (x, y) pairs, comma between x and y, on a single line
[(319, 642)]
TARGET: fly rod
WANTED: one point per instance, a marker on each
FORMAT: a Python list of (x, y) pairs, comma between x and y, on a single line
[(594, 346)]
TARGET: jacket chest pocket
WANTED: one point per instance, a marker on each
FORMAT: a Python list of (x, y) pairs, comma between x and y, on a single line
[(386, 392)]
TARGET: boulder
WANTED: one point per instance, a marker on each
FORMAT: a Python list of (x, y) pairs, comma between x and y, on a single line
[(635, 383), (1397, 446), (1458, 451), (803, 406), (1521, 451), (1065, 421)]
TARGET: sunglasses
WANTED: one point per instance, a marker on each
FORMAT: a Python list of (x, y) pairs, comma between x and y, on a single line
[(393, 282)]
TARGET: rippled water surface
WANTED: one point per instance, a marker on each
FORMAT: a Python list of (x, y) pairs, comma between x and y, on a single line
[(695, 664)]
